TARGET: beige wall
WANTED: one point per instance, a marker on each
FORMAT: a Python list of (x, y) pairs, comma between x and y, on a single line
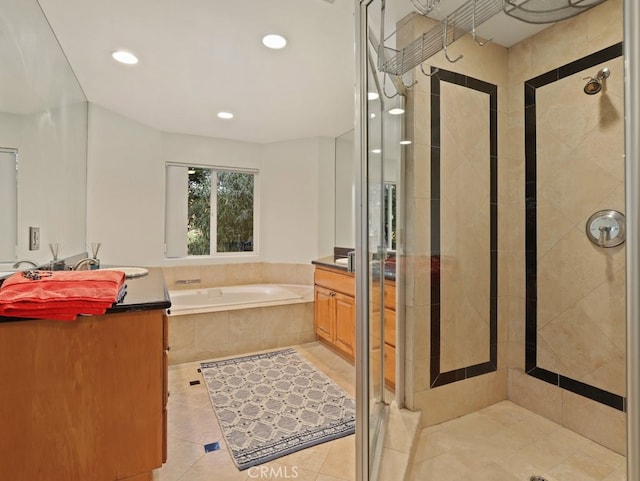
[(236, 274), (580, 170), (464, 211), (576, 144), (581, 304)]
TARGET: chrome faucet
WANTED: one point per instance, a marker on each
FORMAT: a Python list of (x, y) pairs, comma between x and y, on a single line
[(87, 261), (17, 264)]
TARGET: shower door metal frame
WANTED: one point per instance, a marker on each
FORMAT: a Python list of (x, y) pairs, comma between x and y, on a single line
[(362, 269), (369, 436), (632, 192)]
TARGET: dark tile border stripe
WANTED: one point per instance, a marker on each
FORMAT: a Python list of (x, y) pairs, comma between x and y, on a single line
[(531, 235), (441, 378)]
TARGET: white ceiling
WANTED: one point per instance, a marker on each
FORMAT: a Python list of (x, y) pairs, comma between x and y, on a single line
[(198, 57)]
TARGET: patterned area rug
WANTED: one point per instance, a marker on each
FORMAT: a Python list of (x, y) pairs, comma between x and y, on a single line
[(273, 404)]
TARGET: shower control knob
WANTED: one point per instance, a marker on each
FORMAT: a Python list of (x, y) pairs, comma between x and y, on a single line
[(606, 228)]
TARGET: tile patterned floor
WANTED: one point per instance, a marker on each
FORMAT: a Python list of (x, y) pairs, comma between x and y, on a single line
[(192, 424), (503, 442)]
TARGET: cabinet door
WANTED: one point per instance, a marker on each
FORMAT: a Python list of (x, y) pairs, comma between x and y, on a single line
[(324, 313), (390, 365), (390, 327), (165, 384), (345, 323), (92, 408)]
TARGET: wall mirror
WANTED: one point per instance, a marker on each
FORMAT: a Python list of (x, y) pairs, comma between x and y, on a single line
[(345, 225), (345, 188), (43, 119)]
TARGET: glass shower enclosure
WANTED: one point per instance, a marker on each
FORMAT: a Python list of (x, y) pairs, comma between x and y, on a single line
[(378, 186), (512, 195)]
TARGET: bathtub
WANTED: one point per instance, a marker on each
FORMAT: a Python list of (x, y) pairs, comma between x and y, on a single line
[(209, 323), (215, 299)]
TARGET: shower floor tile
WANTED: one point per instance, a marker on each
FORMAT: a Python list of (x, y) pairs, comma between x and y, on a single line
[(505, 442)]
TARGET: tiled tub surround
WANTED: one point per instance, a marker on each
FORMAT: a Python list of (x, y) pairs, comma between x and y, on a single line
[(216, 334), (509, 69), (235, 274)]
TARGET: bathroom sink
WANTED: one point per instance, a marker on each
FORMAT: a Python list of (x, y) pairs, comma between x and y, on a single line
[(129, 272), (342, 261)]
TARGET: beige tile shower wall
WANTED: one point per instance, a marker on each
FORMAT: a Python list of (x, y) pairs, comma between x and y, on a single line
[(581, 286), (449, 401), (580, 164), (464, 228), (238, 274)]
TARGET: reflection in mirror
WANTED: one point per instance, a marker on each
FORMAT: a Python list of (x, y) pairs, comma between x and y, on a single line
[(345, 185), (390, 215), (345, 192), (43, 118), (8, 196)]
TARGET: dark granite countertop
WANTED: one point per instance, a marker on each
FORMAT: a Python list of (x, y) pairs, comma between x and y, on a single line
[(330, 262), (143, 293)]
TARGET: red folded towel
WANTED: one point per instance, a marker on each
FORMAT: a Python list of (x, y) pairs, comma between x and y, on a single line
[(59, 295)]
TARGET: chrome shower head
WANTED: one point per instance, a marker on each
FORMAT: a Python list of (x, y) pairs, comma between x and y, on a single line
[(594, 84)]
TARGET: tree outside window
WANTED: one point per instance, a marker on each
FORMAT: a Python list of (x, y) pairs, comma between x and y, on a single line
[(231, 205)]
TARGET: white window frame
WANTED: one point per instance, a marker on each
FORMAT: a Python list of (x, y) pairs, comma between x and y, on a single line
[(173, 216)]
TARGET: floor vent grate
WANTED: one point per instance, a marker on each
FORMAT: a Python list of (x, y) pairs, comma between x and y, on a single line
[(537, 478)]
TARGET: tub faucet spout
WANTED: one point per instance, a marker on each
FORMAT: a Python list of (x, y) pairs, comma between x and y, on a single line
[(89, 261)]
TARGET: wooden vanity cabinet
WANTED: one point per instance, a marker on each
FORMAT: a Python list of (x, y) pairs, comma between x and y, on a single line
[(335, 316), (390, 333), (335, 309), (84, 400)]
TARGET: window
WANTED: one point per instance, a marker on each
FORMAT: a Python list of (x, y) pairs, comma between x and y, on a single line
[(390, 215), (210, 211)]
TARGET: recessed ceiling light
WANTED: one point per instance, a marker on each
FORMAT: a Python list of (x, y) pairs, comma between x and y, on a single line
[(274, 41), (123, 56), (225, 115), (373, 116), (372, 96), (405, 142), (396, 111), (376, 151)]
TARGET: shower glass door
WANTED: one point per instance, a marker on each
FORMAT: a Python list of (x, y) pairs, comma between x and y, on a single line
[(374, 240), (375, 255), (559, 349)]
